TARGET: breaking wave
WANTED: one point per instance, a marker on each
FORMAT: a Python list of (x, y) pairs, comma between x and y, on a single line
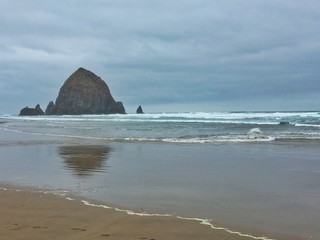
[(192, 127)]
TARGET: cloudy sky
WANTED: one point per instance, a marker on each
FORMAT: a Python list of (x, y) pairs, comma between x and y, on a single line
[(195, 55)]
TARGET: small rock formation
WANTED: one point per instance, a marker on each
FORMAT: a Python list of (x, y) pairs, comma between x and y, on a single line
[(50, 108), (139, 110), (31, 111), (84, 93)]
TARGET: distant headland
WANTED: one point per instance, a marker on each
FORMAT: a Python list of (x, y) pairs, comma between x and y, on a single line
[(82, 93)]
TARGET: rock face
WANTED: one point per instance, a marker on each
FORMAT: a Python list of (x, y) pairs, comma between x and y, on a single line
[(139, 110), (84, 93), (50, 108), (31, 111)]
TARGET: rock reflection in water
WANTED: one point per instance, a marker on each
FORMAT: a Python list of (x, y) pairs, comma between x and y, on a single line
[(85, 160)]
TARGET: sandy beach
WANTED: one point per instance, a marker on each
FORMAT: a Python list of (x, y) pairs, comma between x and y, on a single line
[(28, 214)]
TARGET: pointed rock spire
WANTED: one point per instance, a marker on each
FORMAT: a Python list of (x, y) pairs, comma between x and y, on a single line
[(139, 110)]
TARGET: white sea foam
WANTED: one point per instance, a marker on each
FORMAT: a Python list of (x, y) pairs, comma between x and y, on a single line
[(220, 139), (206, 222), (211, 225), (215, 117), (70, 199), (129, 212), (307, 125), (255, 131)]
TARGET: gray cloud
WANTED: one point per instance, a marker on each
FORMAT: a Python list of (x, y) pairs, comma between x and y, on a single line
[(225, 55)]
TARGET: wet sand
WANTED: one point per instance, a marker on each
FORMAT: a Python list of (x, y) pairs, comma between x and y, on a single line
[(28, 214), (261, 189)]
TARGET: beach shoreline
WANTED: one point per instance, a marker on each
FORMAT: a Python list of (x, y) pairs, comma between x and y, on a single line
[(254, 189), (38, 214)]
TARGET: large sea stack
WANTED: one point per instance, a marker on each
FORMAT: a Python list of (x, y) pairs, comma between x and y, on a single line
[(84, 93)]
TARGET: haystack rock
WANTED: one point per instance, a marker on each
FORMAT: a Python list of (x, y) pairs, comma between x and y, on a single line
[(31, 111), (84, 93)]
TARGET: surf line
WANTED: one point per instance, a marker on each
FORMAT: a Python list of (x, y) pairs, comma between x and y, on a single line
[(200, 220), (207, 222)]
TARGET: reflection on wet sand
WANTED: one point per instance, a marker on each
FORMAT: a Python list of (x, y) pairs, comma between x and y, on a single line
[(84, 160)]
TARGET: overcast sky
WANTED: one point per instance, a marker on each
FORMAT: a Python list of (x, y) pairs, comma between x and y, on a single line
[(194, 55)]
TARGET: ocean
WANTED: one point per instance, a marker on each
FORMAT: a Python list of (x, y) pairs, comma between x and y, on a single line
[(251, 173), (194, 127)]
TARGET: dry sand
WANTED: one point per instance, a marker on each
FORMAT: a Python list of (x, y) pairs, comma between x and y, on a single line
[(29, 214)]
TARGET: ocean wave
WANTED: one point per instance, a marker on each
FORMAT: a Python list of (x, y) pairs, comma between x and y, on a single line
[(218, 140), (254, 135), (177, 115), (283, 119), (306, 125), (154, 119), (194, 127)]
